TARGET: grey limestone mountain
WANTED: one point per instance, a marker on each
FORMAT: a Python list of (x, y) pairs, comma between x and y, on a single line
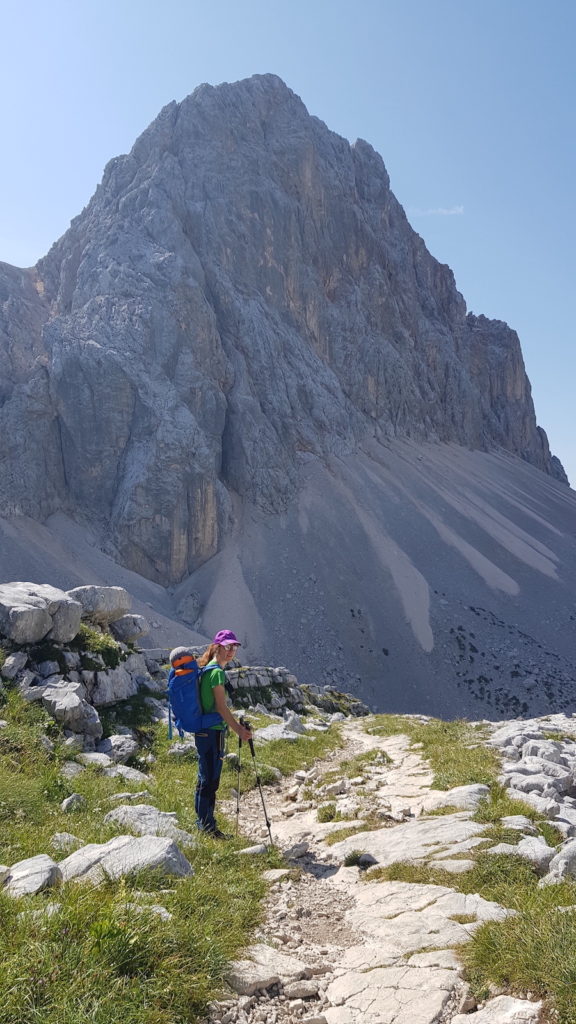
[(243, 373)]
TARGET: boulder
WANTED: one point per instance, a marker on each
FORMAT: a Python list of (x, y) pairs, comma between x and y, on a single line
[(66, 705), (293, 722), (75, 802), (562, 865), (119, 748), (98, 760), (64, 841), (130, 774), (31, 611), (536, 850), (145, 820), (14, 664), (129, 628), (547, 750), (113, 685), (32, 875), (520, 822), (48, 668), (125, 855), (531, 848), (102, 604)]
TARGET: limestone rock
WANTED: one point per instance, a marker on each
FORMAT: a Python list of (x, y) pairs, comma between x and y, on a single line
[(75, 802), (212, 334), (129, 628), (70, 769), (184, 749), (275, 732), (265, 967), (32, 875), (463, 797), (31, 611), (503, 1010), (71, 710), (118, 748), (413, 841), (102, 604), (124, 855), (64, 841), (13, 664), (549, 808), (563, 864), (113, 685), (125, 772), (145, 820), (95, 759)]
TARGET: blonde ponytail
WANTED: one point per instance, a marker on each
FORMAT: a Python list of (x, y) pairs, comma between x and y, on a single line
[(209, 655)]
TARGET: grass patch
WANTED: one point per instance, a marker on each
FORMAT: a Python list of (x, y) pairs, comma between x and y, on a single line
[(96, 641), (454, 750), (343, 833), (533, 952), (352, 859), (96, 959), (99, 960), (500, 805), (356, 766), (438, 812), (326, 812)]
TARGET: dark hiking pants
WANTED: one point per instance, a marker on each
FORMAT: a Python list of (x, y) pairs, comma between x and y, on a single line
[(210, 747)]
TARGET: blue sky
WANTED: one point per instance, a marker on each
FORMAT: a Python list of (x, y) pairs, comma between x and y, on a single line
[(470, 102)]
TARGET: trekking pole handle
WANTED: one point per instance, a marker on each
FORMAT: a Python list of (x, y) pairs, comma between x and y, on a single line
[(246, 724)]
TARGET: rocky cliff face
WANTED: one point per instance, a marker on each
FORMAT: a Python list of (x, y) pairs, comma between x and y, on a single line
[(243, 291)]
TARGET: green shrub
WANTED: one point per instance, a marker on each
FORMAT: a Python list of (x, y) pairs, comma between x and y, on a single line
[(352, 859), (95, 640), (326, 812)]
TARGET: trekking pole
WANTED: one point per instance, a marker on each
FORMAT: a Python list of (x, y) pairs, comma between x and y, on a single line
[(238, 784), (258, 780)]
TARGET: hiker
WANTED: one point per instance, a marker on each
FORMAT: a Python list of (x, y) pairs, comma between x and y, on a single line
[(210, 742)]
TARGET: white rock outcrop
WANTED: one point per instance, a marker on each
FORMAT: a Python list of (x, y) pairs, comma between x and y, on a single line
[(145, 820), (102, 604), (31, 611), (124, 855), (32, 875)]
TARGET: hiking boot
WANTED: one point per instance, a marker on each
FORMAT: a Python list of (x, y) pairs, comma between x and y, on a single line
[(217, 834)]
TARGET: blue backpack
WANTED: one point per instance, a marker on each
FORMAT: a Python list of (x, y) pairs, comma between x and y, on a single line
[(184, 706)]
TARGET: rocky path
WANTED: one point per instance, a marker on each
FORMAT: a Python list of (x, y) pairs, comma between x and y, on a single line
[(335, 949)]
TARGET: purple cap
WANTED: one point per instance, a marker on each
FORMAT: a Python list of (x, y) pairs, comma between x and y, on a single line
[(225, 638)]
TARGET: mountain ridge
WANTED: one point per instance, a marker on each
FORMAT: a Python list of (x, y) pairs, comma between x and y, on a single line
[(240, 325)]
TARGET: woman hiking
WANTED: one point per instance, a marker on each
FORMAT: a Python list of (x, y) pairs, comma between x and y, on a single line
[(210, 742)]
